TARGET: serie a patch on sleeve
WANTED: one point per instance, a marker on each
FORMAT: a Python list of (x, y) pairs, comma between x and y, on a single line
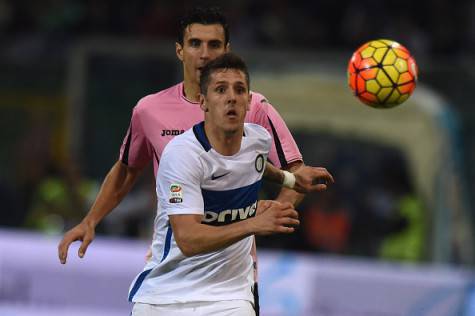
[(176, 193)]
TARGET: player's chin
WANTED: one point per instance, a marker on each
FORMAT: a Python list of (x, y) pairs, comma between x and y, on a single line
[(235, 119), (198, 75), (231, 130), (233, 125)]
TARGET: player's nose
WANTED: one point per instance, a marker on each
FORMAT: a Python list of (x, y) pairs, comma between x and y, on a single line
[(204, 54), (231, 97)]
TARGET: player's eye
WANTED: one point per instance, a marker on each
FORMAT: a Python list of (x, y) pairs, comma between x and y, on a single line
[(215, 44), (240, 90), (195, 42), (220, 89)]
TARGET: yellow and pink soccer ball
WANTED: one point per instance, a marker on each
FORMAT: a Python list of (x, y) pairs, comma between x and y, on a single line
[(382, 73)]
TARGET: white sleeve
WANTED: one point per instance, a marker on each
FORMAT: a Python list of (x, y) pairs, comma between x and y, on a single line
[(178, 182)]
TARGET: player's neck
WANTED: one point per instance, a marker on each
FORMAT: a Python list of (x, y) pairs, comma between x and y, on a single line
[(225, 143), (191, 91)]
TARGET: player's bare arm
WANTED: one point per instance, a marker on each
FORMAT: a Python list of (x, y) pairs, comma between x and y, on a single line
[(306, 178), (195, 238), (116, 185), (287, 195)]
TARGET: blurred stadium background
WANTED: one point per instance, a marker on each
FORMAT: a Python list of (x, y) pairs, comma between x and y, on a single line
[(393, 236)]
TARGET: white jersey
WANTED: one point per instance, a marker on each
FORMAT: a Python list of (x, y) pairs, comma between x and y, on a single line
[(195, 179)]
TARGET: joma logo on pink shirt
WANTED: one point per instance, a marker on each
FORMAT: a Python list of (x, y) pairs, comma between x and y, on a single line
[(172, 132)]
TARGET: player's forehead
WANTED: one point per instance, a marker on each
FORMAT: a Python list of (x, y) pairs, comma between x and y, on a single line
[(228, 76), (204, 32)]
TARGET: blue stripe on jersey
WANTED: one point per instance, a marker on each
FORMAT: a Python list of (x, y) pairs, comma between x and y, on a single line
[(218, 201), (144, 274), (138, 283), (168, 240), (199, 131)]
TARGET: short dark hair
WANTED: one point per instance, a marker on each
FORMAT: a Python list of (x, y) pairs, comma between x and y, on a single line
[(205, 16), (225, 61)]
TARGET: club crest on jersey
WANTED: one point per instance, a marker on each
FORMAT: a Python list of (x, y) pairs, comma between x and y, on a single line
[(259, 163), (228, 216), (176, 193)]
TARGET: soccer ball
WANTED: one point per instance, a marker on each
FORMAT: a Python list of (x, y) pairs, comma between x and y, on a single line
[(382, 73)]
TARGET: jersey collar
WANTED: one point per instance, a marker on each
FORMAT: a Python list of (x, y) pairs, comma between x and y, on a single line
[(199, 131), (181, 91)]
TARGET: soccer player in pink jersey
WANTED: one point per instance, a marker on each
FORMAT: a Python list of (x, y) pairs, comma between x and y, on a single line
[(157, 118)]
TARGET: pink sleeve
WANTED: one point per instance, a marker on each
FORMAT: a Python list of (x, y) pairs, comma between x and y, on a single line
[(284, 150), (136, 149)]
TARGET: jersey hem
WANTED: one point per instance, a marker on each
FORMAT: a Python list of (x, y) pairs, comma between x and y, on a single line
[(171, 300), (294, 159)]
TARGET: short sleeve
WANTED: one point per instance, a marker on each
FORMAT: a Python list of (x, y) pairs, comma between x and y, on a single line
[(136, 150), (284, 149), (179, 182)]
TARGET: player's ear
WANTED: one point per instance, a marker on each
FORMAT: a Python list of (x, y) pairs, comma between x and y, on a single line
[(227, 48), (179, 51), (202, 103), (248, 105)]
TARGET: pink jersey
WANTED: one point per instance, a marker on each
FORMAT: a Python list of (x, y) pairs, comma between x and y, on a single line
[(159, 117)]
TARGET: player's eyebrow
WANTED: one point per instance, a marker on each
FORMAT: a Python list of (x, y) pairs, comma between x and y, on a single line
[(213, 41), (227, 82), (216, 42), (221, 82)]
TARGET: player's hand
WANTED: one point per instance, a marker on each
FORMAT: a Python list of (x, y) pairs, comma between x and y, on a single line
[(310, 179), (263, 205), (275, 217), (148, 255), (83, 232)]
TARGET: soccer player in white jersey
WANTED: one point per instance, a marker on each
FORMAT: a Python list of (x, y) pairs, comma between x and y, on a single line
[(157, 118), (207, 188)]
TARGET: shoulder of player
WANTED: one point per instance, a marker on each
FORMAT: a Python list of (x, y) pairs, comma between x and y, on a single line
[(156, 98), (259, 103), (258, 99), (181, 156), (256, 131), (183, 145)]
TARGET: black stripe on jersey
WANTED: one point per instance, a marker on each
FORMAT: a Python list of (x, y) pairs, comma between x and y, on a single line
[(278, 146), (255, 293), (156, 156), (125, 156)]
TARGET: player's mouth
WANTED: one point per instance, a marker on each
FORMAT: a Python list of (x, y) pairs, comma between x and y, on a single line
[(231, 114)]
